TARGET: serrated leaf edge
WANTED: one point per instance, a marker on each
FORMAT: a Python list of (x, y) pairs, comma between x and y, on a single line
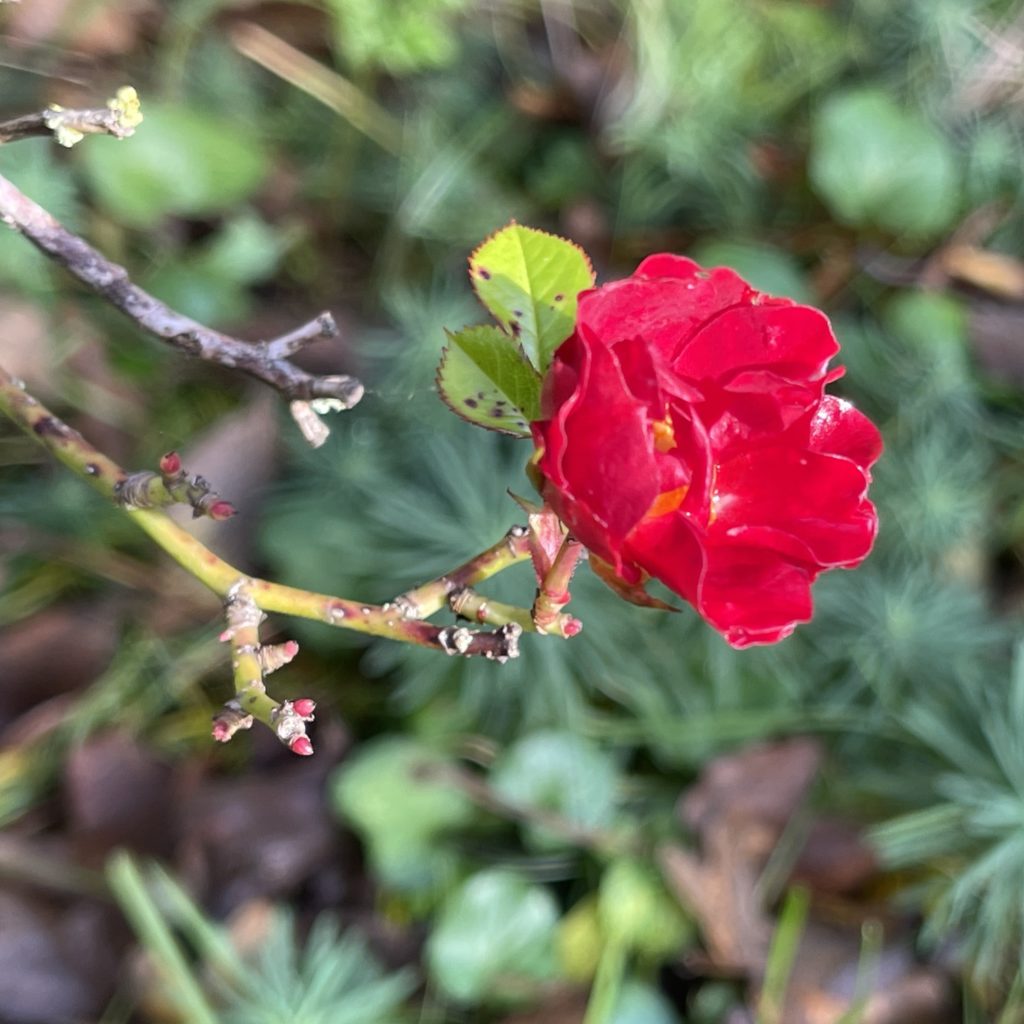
[(443, 395), (513, 223)]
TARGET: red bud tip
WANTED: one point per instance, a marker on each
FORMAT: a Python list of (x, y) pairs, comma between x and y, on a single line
[(222, 510), (301, 746), (571, 627), (290, 648), (221, 731), (304, 707), (226, 635), (170, 464)]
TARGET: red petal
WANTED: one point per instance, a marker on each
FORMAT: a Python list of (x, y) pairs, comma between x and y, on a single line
[(794, 342), (819, 499), (669, 548), (837, 428), (753, 596), (665, 310), (599, 455)]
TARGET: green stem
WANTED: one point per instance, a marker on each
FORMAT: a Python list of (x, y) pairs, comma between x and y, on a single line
[(388, 620), (423, 601), (553, 594), (130, 891), (611, 970), (782, 956), (471, 605)]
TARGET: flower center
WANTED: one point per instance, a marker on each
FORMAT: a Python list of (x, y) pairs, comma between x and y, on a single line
[(667, 502), (664, 434)]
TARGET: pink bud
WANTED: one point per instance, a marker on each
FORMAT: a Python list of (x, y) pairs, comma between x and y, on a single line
[(301, 745), (170, 464), (222, 510), (226, 635), (221, 731), (304, 707), (290, 648), (571, 627)]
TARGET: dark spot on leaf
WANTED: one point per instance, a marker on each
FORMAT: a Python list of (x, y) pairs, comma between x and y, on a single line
[(501, 401), (497, 412), (517, 328), (517, 312), (472, 403), (480, 395), (559, 297), (484, 273)]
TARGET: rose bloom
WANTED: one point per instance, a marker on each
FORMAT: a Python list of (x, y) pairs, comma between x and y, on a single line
[(686, 435)]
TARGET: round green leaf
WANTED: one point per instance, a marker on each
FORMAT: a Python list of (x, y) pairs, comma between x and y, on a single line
[(560, 772), (766, 267), (636, 909), (178, 162), (639, 1003), (494, 940), (877, 164), (384, 790)]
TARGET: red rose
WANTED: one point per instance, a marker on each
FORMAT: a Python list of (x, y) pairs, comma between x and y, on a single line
[(686, 435)]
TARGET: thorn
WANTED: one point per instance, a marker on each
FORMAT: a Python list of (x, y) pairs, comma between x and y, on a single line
[(304, 708), (170, 464), (222, 510), (301, 745)]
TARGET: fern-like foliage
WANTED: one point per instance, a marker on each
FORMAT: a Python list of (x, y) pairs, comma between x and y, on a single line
[(970, 838), (332, 980)]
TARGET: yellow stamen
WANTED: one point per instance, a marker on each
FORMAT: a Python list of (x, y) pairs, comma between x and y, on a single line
[(667, 502), (664, 435)]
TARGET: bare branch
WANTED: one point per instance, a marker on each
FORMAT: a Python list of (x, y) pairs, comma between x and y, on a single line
[(120, 117), (267, 361), (106, 476)]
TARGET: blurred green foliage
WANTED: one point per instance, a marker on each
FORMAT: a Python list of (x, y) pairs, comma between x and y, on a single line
[(823, 149)]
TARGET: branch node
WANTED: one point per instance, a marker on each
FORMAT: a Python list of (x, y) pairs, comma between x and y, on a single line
[(455, 640), (229, 720)]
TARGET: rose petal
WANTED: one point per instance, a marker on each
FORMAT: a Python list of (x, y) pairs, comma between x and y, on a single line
[(837, 428), (754, 596), (670, 549), (794, 342), (819, 499), (598, 445), (664, 311)]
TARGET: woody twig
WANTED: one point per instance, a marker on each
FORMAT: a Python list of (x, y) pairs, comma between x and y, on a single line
[(269, 361)]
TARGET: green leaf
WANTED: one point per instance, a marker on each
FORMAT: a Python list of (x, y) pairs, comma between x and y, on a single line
[(494, 939), (529, 281), (386, 793), (485, 378), (560, 772), (642, 1003), (767, 267), (877, 164), (635, 908), (179, 162), (31, 165)]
